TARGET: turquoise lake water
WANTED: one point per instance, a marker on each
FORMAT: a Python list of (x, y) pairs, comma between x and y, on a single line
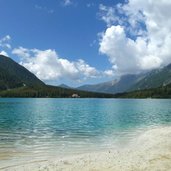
[(54, 127)]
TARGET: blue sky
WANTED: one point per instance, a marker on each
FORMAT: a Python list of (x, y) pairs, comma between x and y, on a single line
[(72, 31)]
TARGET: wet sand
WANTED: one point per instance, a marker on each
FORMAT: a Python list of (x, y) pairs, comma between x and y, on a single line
[(149, 151)]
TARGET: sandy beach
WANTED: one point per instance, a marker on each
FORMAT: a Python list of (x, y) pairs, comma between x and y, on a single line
[(150, 150)]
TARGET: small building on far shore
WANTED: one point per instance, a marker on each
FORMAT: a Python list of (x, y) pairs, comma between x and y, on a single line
[(75, 96)]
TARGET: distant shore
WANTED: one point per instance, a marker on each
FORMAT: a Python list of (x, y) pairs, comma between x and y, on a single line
[(149, 151)]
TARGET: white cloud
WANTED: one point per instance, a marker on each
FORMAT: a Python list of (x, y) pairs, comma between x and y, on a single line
[(120, 49), (138, 35), (4, 42), (48, 66), (67, 2), (22, 52), (109, 73), (107, 14), (3, 53)]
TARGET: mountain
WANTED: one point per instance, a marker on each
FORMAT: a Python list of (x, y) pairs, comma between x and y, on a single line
[(64, 86), (125, 83), (160, 92), (13, 75), (17, 81), (155, 78), (152, 79), (102, 87), (114, 86)]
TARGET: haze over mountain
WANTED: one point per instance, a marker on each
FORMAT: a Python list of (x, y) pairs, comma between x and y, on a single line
[(114, 86), (151, 79), (64, 86)]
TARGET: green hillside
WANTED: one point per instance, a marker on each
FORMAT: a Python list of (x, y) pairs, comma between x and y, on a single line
[(160, 92), (154, 79), (13, 75), (50, 91)]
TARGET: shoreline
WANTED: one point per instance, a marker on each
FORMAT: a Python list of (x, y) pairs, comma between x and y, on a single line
[(151, 150)]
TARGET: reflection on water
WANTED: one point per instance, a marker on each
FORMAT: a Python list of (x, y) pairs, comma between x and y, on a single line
[(37, 127)]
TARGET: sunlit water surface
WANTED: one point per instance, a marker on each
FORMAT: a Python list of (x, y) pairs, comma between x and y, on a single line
[(41, 128)]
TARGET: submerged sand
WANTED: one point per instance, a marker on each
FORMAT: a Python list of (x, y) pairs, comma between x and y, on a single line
[(150, 151)]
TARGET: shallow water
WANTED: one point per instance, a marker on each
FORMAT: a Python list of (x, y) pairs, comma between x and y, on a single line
[(41, 128)]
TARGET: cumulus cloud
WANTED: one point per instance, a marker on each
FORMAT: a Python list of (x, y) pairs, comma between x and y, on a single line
[(3, 53), (48, 66), (4, 42), (137, 36)]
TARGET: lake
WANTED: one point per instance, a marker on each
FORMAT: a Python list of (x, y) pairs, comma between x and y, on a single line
[(42, 128)]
